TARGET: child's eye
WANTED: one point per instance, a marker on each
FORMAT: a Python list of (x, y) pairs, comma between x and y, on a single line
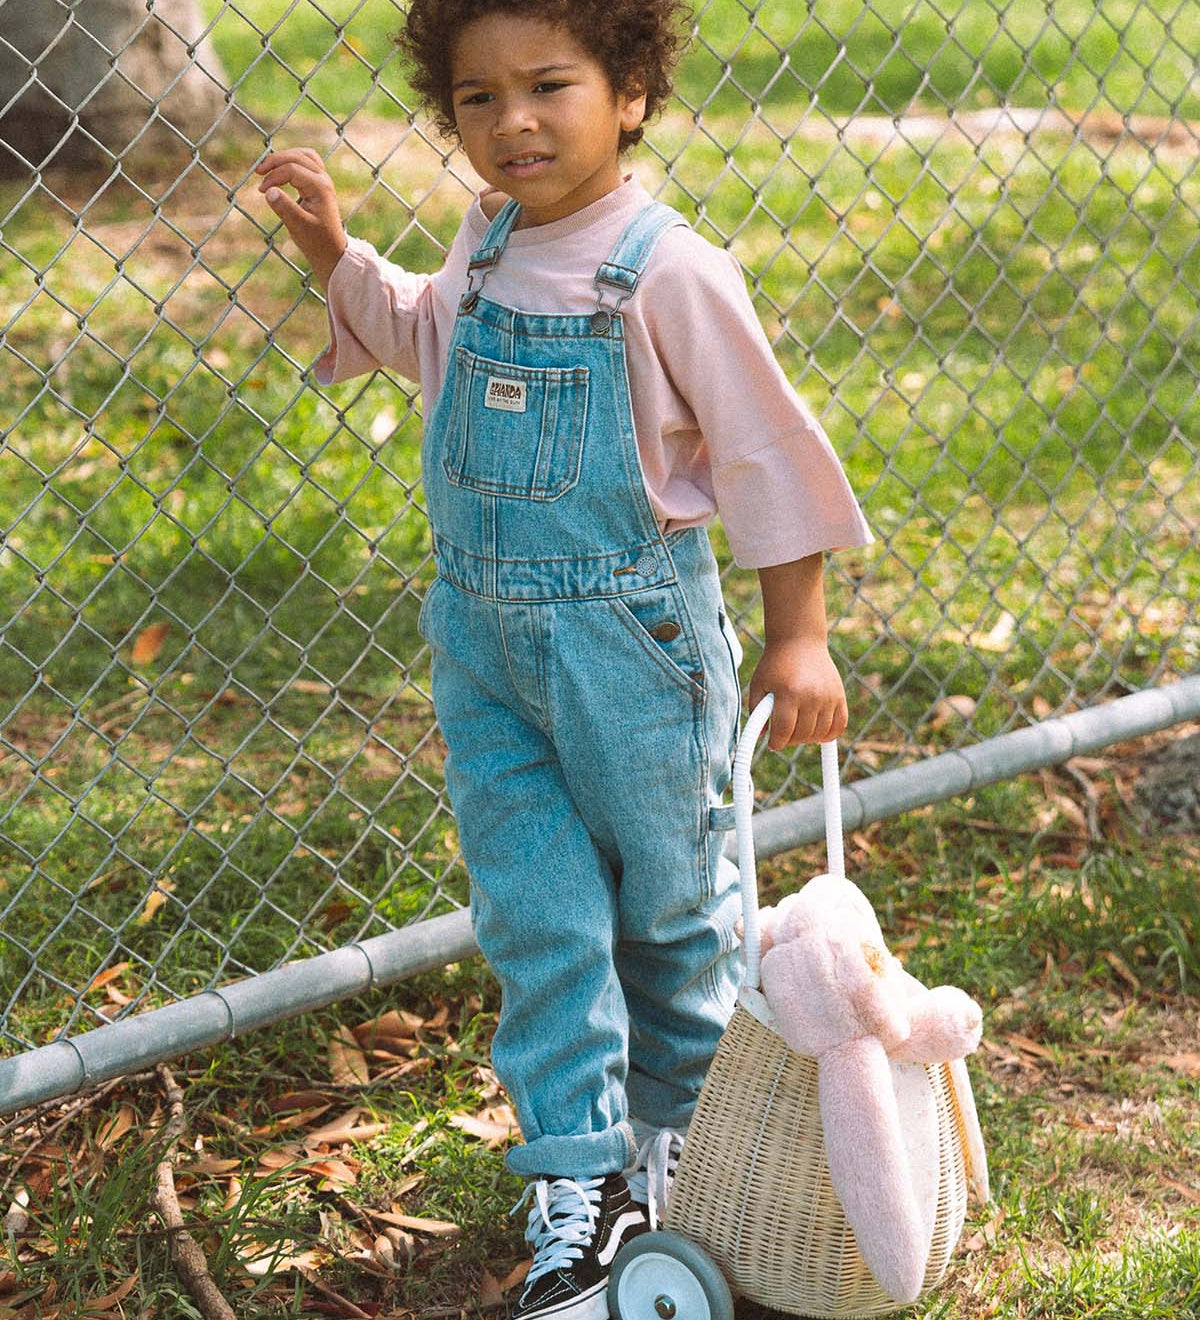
[(476, 98), (549, 86)]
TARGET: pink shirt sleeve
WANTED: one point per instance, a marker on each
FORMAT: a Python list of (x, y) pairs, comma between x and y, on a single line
[(380, 315), (778, 485)]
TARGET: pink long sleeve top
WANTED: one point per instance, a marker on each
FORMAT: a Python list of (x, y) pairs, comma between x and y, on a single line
[(719, 427)]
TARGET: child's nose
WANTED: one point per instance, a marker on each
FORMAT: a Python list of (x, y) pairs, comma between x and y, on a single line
[(516, 116)]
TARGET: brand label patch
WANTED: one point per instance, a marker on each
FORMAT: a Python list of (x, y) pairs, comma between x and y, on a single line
[(507, 395)]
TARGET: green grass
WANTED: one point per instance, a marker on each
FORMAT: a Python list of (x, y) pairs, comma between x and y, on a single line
[(885, 58), (1091, 1129)]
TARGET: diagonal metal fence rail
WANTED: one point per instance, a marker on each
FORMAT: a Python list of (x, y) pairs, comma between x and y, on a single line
[(970, 230)]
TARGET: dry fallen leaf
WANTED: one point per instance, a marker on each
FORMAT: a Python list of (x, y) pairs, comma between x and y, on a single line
[(951, 708), (210, 1164), (297, 1100), (1118, 964), (154, 900), (384, 1251), (327, 1131), (392, 1031), (515, 1275), (103, 1306), (16, 1221), (1029, 1046), (362, 1132), (439, 1020), (149, 643), (335, 1175), (116, 1127), (1187, 1064), (260, 1260), (101, 979), (289, 1121), (494, 1125), (347, 1064), (279, 1158), (434, 1227), (490, 1292), (985, 1236)]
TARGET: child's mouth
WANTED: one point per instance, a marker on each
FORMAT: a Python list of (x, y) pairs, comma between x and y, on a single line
[(524, 167)]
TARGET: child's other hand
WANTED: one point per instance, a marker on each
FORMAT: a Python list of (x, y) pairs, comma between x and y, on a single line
[(810, 702), (312, 218)]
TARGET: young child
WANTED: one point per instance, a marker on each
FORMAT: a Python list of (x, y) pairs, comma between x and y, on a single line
[(597, 388)]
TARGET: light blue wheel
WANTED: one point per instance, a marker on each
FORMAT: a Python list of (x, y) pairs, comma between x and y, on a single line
[(662, 1276)]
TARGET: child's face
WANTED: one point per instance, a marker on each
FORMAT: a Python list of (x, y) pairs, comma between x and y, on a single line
[(537, 116)]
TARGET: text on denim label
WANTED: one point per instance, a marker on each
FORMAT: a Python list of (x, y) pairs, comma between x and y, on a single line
[(507, 395)]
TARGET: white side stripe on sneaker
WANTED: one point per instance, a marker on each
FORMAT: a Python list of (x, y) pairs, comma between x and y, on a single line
[(629, 1219)]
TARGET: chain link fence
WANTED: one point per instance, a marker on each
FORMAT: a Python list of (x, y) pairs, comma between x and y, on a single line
[(970, 231)]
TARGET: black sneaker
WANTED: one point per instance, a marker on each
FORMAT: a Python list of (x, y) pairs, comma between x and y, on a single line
[(576, 1227)]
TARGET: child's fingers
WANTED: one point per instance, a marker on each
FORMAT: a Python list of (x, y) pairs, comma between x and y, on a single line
[(784, 718), (293, 156), (794, 722), (290, 211), (824, 726), (303, 224), (307, 182)]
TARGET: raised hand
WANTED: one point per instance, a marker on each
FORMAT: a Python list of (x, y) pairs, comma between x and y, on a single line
[(312, 217)]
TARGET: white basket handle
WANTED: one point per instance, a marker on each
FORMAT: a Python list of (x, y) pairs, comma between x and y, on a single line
[(743, 809)]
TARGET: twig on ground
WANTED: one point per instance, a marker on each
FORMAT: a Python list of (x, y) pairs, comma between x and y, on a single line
[(186, 1255), (1091, 800), (328, 1293)]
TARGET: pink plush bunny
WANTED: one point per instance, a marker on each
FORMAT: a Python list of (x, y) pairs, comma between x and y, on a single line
[(840, 997)]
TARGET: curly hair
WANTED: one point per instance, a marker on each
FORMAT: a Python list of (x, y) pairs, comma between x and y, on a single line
[(635, 42)]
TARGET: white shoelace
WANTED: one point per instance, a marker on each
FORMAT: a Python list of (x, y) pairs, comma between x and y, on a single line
[(650, 1181), (562, 1221)]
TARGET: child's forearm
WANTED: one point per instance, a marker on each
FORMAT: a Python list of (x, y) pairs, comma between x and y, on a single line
[(796, 667), (793, 597)]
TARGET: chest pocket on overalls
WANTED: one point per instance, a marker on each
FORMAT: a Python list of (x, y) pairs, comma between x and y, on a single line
[(513, 430)]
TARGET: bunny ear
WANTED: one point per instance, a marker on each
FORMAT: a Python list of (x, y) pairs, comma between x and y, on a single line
[(868, 1167)]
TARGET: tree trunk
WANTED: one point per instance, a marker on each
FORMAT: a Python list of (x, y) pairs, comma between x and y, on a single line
[(103, 79)]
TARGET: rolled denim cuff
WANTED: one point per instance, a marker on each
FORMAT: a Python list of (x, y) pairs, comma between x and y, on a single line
[(588, 1155)]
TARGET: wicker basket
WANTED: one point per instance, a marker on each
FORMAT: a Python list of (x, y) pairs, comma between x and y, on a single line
[(753, 1186)]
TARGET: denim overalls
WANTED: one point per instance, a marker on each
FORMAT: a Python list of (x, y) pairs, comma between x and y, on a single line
[(585, 682)]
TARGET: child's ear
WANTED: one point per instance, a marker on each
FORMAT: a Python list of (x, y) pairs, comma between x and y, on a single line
[(633, 107)]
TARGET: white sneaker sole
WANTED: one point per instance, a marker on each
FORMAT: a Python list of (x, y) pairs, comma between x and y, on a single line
[(591, 1305)]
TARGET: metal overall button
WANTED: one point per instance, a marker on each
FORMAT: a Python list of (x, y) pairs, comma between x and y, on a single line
[(666, 632), (646, 565), (601, 322)]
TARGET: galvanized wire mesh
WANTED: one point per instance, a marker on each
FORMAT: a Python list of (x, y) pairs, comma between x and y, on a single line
[(970, 231)]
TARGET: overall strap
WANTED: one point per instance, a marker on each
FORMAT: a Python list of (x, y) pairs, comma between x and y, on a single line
[(618, 276), (490, 251)]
